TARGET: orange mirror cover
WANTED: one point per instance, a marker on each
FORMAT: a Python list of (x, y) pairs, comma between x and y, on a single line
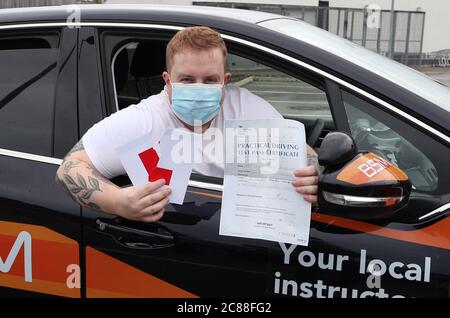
[(370, 168)]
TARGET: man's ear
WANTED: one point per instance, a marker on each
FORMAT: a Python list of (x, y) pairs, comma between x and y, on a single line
[(227, 78), (166, 78)]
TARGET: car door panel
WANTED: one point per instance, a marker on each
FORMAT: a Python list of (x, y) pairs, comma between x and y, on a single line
[(353, 259), (197, 262), (184, 255)]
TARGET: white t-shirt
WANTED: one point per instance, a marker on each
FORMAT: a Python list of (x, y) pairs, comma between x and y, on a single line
[(154, 114)]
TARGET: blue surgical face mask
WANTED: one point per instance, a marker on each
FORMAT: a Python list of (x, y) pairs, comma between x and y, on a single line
[(196, 103)]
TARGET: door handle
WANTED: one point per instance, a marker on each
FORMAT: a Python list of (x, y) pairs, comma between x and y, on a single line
[(136, 238)]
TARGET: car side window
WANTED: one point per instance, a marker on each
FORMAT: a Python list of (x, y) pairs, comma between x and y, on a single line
[(137, 67), (292, 97), (27, 91), (385, 135), (136, 78)]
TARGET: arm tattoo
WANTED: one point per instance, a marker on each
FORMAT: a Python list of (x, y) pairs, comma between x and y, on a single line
[(99, 176), (69, 165), (80, 187), (79, 146)]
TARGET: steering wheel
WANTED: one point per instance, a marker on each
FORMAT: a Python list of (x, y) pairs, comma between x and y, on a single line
[(315, 132)]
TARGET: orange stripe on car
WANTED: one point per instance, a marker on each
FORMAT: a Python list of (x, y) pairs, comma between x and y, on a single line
[(51, 256), (206, 194), (39, 232), (110, 277), (436, 235)]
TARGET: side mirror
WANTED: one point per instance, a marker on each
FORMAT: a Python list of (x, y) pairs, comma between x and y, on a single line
[(359, 185)]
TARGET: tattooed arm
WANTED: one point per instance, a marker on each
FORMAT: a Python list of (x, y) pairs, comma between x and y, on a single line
[(78, 176)]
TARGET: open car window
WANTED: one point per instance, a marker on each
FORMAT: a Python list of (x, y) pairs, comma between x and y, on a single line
[(137, 66)]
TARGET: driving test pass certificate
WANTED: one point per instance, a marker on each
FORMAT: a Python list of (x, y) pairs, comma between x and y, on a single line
[(259, 200)]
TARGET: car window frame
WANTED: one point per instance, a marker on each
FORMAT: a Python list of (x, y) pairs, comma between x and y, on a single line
[(110, 51)]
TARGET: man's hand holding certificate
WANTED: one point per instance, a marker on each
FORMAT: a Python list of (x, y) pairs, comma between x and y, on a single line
[(259, 200)]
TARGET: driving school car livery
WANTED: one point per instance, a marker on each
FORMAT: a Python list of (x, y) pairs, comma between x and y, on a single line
[(372, 272), (37, 259), (34, 258), (372, 169), (76, 76), (25, 266)]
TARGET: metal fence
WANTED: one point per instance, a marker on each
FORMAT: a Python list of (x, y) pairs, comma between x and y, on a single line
[(437, 59), (37, 3), (354, 25)]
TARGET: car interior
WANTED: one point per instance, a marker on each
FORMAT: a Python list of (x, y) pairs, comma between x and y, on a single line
[(137, 71)]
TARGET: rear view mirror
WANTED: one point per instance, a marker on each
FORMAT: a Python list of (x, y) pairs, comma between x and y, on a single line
[(359, 185)]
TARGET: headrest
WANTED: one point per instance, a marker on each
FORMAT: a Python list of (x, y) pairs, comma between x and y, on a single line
[(149, 59)]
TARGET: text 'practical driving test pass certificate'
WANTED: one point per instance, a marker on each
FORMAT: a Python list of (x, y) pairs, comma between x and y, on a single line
[(259, 200)]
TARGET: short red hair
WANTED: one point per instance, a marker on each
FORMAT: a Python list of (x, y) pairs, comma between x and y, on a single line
[(197, 38)]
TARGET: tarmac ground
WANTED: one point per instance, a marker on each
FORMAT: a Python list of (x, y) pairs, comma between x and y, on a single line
[(441, 74)]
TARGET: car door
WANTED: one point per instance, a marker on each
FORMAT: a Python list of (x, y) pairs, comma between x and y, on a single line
[(404, 256), (183, 254), (40, 228)]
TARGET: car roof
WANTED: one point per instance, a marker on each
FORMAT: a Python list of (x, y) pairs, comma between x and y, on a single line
[(125, 10)]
